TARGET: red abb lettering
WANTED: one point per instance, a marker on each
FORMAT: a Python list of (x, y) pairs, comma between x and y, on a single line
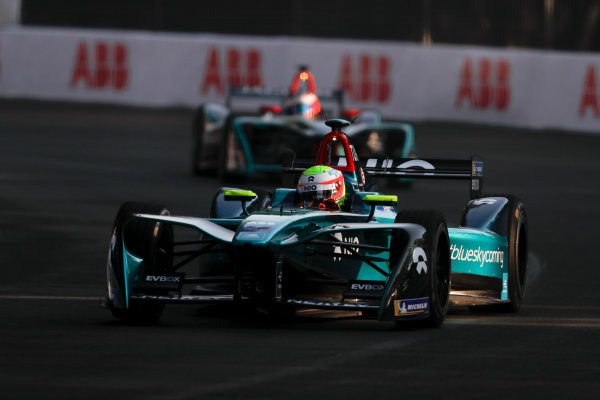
[(234, 76), (346, 82), (465, 88), (81, 70), (372, 82), (212, 75), (383, 83), (241, 69), (253, 64), (102, 74), (485, 91), (589, 97), (502, 85), (492, 86), (109, 66), (120, 72), (365, 85)]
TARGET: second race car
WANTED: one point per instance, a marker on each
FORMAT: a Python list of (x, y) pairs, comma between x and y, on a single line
[(290, 126)]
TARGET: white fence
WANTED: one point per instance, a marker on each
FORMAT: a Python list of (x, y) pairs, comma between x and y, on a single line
[(448, 83)]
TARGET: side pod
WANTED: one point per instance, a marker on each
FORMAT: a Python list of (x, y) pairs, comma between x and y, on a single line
[(486, 213), (407, 279)]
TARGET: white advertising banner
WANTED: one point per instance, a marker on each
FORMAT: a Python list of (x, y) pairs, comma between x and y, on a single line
[(536, 89)]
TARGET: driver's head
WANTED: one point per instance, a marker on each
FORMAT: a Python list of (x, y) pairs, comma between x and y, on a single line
[(306, 104), (302, 99), (321, 185)]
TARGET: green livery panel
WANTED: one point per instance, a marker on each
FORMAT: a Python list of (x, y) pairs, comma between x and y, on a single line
[(478, 252), (131, 269)]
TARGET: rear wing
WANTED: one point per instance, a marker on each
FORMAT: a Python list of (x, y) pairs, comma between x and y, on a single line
[(430, 168), (471, 170), (259, 92)]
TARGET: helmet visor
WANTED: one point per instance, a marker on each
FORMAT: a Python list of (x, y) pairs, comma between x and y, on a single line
[(313, 198)]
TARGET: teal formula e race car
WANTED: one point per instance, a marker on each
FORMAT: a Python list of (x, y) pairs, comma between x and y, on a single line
[(289, 123), (327, 243)]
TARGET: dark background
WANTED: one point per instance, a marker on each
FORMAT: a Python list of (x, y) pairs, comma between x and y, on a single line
[(547, 24)]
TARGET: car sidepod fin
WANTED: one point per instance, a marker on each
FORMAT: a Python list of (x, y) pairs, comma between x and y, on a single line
[(116, 289), (409, 278), (201, 224)]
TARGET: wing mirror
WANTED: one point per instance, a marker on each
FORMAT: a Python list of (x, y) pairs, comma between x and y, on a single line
[(375, 200), (240, 195)]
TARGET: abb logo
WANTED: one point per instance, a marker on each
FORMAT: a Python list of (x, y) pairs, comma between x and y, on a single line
[(589, 97), (103, 66), (366, 78), (487, 87), (240, 68)]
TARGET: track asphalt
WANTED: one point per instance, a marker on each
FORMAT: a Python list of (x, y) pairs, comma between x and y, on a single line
[(65, 169)]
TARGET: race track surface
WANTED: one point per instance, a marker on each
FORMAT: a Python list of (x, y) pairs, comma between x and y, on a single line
[(65, 169)]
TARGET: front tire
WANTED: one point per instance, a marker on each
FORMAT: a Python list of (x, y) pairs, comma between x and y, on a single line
[(148, 240), (437, 249)]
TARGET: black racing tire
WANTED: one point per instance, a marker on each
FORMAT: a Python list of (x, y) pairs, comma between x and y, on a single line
[(516, 235), (437, 249), (197, 142), (223, 151), (264, 199), (148, 240)]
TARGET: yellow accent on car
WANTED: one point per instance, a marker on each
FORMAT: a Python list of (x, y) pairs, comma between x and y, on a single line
[(239, 193), (373, 198)]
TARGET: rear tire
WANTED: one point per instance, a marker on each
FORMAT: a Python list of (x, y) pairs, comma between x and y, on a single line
[(197, 142), (223, 152), (151, 241), (437, 249), (516, 235)]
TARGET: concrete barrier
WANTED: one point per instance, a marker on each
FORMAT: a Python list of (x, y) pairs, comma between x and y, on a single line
[(535, 89)]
